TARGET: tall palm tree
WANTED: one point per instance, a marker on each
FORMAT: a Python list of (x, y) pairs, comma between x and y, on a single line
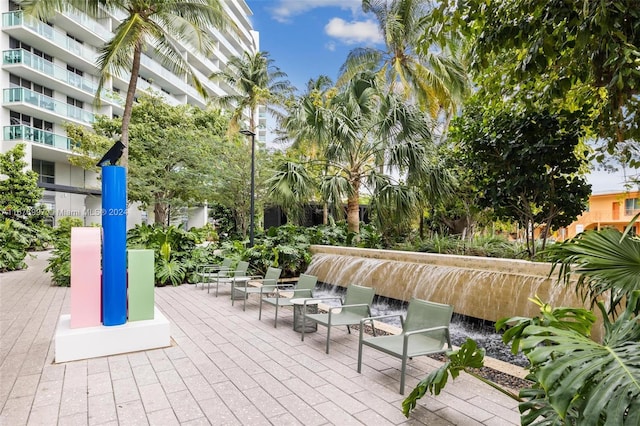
[(430, 74), (257, 82), (368, 135), (147, 24)]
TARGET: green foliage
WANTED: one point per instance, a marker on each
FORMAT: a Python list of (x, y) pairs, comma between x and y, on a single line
[(607, 263), (20, 217), (486, 246), (363, 133), (174, 250), (13, 245), (173, 152), (578, 380), (19, 191), (524, 164), (60, 259)]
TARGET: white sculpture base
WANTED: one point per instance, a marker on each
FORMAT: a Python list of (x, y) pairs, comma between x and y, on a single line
[(72, 344)]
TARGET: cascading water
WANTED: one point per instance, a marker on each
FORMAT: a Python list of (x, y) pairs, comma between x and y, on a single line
[(487, 289), (483, 288)]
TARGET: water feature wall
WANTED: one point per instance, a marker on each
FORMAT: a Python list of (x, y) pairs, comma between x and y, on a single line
[(479, 287)]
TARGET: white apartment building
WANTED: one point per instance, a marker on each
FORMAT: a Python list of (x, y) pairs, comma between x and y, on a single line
[(49, 78)]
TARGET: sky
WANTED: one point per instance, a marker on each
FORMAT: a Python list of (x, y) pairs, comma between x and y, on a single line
[(309, 38)]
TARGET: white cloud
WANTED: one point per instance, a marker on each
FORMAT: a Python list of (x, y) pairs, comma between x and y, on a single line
[(354, 32), (330, 46), (284, 10)]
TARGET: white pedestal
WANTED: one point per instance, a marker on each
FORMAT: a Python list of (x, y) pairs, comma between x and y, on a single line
[(72, 344)]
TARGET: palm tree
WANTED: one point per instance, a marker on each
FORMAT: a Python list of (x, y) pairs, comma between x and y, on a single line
[(156, 24), (292, 186), (429, 73), (257, 81), (366, 135)]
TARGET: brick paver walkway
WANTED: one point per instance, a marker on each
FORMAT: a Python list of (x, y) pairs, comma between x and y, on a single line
[(225, 368)]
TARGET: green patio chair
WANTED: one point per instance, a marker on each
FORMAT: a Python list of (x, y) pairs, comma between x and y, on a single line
[(209, 271), (231, 277), (424, 332), (356, 306), (255, 285), (282, 296)]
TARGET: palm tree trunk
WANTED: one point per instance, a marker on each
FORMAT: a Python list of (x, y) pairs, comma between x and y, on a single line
[(128, 104), (353, 208)]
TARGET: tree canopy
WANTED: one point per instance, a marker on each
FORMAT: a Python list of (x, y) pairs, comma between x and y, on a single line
[(524, 163)]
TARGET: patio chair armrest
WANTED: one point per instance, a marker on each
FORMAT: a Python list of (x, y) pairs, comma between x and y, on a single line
[(379, 317), (349, 306), (426, 330), (331, 298)]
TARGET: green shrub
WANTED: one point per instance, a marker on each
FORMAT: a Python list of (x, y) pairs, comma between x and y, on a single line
[(60, 260), (13, 245)]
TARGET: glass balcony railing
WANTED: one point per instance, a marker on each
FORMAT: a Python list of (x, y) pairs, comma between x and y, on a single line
[(88, 23), (19, 56), (27, 133), (17, 18), (19, 94)]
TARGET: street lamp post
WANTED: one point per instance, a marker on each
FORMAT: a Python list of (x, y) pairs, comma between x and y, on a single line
[(253, 182)]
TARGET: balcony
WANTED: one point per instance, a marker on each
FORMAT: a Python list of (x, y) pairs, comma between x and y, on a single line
[(51, 108), (34, 32), (27, 133), (38, 65)]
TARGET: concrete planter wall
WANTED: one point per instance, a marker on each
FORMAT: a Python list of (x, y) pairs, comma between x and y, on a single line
[(480, 287)]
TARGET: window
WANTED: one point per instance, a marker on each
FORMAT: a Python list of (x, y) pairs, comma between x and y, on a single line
[(46, 170), (631, 206), (75, 102), (18, 119), (44, 90), (17, 44)]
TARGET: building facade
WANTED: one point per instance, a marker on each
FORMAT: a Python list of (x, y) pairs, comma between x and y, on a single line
[(49, 78), (606, 210)]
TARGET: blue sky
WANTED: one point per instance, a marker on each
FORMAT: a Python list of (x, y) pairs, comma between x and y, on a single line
[(308, 38)]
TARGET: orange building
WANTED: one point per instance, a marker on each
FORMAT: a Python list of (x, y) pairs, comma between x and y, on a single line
[(613, 210)]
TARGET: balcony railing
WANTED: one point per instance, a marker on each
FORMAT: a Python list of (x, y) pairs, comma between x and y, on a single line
[(28, 133), (19, 94), (20, 56), (17, 18)]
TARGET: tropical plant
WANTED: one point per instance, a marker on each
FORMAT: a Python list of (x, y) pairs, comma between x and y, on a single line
[(423, 70), (158, 24), (257, 81), (607, 263), (13, 245), (60, 260), (367, 135), (575, 379)]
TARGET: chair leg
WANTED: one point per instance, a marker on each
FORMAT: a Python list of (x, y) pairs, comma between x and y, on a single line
[(328, 336), (304, 324), (349, 329), (244, 306), (360, 356), (260, 310), (275, 322), (403, 369)]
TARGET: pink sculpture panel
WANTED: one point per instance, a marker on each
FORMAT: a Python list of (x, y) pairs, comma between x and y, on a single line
[(86, 294)]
